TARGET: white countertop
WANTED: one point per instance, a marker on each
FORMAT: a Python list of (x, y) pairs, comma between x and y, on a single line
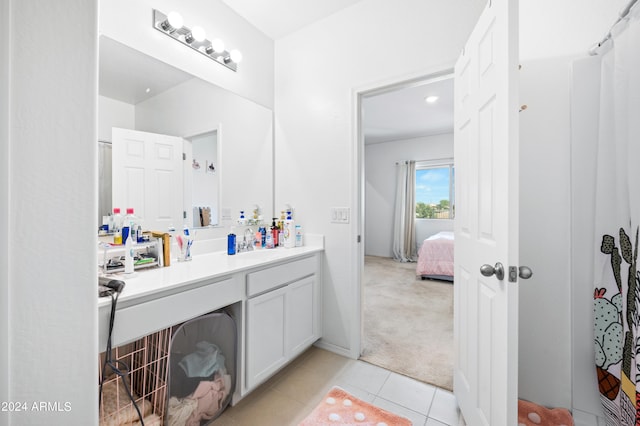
[(150, 283)]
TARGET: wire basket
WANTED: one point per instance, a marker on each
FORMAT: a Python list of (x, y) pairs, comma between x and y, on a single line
[(142, 367)]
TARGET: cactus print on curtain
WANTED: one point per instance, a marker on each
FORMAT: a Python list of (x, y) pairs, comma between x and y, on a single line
[(617, 227), (616, 331)]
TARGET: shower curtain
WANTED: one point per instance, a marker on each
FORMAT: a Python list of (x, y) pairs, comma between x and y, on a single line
[(404, 235), (617, 221)]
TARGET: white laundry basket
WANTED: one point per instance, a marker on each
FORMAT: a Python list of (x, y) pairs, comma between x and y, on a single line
[(202, 370)]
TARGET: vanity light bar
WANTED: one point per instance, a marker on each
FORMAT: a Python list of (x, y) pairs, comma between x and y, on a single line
[(171, 25)]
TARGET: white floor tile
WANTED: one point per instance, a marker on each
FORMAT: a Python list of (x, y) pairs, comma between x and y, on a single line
[(445, 408), (365, 376), (432, 422), (357, 392), (416, 418), (409, 393)]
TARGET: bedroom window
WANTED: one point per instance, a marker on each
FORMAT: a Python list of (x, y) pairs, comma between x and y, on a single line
[(434, 190)]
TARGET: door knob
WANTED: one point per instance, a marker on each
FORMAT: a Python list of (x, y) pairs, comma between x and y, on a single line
[(488, 270), (525, 272)]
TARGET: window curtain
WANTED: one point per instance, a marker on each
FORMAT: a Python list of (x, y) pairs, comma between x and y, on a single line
[(404, 235), (617, 221)]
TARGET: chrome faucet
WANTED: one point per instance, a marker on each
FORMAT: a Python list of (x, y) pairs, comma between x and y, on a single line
[(247, 245)]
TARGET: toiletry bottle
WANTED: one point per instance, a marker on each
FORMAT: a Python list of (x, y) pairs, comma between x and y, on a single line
[(289, 231), (242, 220), (269, 240), (299, 240), (117, 237), (275, 232), (263, 236), (258, 241), (131, 222), (128, 255), (231, 242), (116, 219), (117, 226)]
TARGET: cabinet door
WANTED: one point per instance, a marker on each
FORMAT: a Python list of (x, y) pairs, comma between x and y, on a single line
[(301, 315), (266, 350)]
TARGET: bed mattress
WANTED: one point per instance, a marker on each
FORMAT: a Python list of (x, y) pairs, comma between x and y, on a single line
[(435, 258)]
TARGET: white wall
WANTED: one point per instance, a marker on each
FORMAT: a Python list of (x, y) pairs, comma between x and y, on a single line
[(50, 194), (129, 22), (245, 138), (114, 113), (318, 70), (5, 85), (545, 299), (380, 189), (584, 147)]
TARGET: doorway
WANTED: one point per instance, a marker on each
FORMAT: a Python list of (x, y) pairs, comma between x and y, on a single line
[(407, 322)]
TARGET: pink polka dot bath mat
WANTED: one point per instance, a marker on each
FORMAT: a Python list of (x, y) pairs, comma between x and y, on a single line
[(530, 414), (340, 408)]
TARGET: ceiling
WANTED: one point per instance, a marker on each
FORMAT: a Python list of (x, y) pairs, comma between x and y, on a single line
[(132, 77), (404, 114)]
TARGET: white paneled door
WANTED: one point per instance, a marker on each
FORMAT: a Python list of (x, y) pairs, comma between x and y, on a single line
[(486, 227), (147, 175)]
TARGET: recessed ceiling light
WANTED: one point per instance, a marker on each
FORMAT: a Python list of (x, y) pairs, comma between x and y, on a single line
[(147, 90), (431, 99)]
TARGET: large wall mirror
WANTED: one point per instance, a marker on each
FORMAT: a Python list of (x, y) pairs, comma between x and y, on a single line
[(225, 143)]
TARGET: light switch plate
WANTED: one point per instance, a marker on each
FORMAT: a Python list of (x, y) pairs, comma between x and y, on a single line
[(340, 214), (226, 213)]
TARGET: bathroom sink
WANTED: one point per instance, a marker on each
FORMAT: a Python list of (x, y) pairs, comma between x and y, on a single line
[(264, 254)]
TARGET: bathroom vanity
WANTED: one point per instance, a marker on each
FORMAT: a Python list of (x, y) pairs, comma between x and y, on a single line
[(274, 296)]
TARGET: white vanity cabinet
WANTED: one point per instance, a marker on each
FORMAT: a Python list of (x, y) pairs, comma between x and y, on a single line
[(283, 316)]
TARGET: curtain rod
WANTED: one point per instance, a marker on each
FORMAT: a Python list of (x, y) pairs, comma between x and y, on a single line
[(435, 160), (623, 14)]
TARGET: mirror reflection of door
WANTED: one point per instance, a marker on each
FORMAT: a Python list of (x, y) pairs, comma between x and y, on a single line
[(147, 176)]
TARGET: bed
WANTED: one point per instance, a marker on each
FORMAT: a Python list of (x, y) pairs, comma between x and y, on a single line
[(435, 257)]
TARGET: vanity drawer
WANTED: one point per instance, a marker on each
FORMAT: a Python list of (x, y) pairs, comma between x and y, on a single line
[(140, 320), (269, 278)]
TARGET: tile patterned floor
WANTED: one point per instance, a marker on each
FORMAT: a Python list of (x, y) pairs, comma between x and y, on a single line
[(291, 394)]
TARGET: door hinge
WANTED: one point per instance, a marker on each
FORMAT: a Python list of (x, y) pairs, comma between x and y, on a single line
[(359, 238), (184, 214), (184, 156)]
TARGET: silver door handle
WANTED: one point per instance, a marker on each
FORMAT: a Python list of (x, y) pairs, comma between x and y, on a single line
[(488, 270), (525, 272)]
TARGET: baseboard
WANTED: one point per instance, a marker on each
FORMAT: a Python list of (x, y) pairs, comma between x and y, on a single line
[(333, 348)]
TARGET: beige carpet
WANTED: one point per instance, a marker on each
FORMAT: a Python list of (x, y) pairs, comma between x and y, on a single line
[(408, 322)]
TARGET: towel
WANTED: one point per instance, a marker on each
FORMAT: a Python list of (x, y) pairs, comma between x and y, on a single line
[(206, 360)]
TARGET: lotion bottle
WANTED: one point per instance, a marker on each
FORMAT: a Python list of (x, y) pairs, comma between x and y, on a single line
[(128, 255), (289, 231)]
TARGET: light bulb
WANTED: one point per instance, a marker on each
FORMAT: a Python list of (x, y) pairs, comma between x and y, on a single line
[(431, 99), (236, 56), (198, 33), (175, 20), (217, 45)]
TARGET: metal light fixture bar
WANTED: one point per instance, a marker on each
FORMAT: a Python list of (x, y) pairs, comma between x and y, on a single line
[(185, 36)]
